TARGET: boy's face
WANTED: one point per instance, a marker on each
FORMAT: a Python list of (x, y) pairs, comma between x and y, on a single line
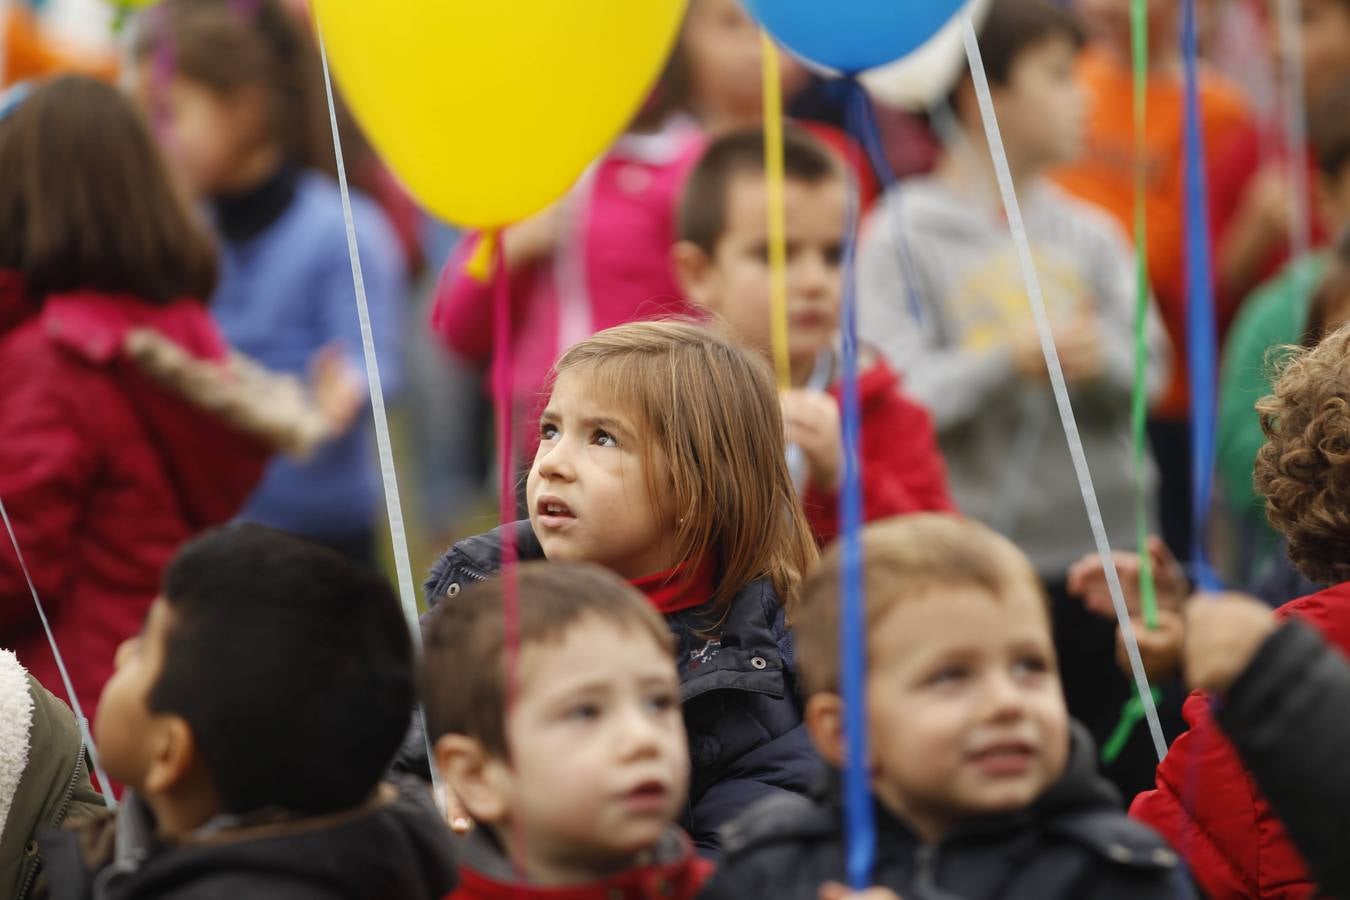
[(967, 714), (599, 766), (735, 283), (124, 724), (1325, 34), (1041, 109)]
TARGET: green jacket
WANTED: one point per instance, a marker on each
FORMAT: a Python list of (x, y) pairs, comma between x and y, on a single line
[(1274, 316), (40, 747)]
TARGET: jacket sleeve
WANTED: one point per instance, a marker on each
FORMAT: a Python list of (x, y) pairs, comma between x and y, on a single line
[(955, 384), (1209, 810), (1286, 716), (461, 311), (47, 462), (1266, 321), (902, 469), (787, 764)]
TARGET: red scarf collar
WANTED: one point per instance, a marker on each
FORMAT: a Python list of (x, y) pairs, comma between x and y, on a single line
[(683, 587)]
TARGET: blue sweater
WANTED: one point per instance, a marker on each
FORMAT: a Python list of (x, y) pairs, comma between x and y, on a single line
[(284, 293)]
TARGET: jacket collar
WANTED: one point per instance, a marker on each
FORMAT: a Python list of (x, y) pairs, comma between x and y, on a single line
[(749, 649), (672, 871)]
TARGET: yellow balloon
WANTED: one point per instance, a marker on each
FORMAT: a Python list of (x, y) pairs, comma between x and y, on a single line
[(489, 110)]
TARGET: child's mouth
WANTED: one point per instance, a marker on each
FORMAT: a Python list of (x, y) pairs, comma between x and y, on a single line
[(647, 797), (1005, 758), (553, 513)]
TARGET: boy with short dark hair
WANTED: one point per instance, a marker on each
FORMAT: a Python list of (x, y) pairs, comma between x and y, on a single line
[(253, 718), (722, 263), (569, 751), (974, 356), (982, 787)]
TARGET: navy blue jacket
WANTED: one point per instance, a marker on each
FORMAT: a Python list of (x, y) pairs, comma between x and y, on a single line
[(1074, 843), (742, 708)]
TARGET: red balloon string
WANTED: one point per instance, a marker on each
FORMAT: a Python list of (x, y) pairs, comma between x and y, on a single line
[(503, 391)]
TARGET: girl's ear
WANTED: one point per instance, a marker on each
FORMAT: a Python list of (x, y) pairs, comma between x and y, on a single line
[(824, 716), (478, 779)]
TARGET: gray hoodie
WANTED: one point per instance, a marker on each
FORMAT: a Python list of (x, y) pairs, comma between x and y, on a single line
[(1006, 452)]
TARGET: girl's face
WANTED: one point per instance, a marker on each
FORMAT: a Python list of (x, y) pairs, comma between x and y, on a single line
[(206, 135), (588, 490), (723, 50)]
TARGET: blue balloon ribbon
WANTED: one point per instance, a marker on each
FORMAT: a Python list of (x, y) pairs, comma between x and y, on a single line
[(1201, 333), (859, 823)]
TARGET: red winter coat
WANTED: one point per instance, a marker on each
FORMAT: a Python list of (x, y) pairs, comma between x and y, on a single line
[(1208, 807), (902, 468), (103, 474)]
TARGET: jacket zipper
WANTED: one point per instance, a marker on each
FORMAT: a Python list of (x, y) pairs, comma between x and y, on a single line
[(926, 877), (60, 817)]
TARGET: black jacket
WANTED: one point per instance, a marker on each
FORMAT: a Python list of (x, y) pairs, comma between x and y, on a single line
[(741, 703), (1074, 843), (396, 846), (1288, 716)]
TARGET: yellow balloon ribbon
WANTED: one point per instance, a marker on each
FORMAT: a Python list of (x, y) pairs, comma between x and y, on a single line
[(489, 111), (774, 184)]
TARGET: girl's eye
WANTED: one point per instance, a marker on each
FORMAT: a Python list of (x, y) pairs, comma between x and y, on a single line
[(663, 702), (548, 432), (583, 712), (605, 439)]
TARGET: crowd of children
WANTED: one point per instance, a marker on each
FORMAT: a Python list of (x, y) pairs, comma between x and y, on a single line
[(647, 699)]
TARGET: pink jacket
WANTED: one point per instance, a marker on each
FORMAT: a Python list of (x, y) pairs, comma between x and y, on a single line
[(615, 268)]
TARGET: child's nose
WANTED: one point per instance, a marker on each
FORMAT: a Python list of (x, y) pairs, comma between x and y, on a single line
[(555, 461)]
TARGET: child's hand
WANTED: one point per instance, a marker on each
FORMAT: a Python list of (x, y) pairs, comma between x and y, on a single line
[(832, 891), (1223, 632), (1077, 343), (1087, 580), (1160, 648), (1080, 350), (337, 388), (534, 238), (811, 421)]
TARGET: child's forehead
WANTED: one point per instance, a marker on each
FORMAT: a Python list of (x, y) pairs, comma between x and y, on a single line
[(960, 615), (592, 391), (593, 648)]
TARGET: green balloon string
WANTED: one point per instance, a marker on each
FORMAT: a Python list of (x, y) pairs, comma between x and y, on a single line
[(1133, 713), (1130, 717)]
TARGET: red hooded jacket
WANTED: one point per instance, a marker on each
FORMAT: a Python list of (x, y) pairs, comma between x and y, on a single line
[(902, 467), (1208, 807), (103, 473)]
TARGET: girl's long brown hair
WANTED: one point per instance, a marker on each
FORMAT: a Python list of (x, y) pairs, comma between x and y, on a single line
[(86, 201), (227, 45), (712, 410)]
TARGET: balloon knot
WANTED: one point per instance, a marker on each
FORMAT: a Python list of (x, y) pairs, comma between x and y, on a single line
[(479, 266)]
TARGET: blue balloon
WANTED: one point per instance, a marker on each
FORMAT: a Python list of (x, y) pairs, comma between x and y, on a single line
[(852, 35)]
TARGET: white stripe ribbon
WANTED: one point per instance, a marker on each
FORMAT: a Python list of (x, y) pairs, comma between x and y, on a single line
[(104, 785), (1061, 390), (388, 475)]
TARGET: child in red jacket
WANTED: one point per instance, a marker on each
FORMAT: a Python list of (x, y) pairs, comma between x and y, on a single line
[(569, 751), (722, 263), (1206, 803)]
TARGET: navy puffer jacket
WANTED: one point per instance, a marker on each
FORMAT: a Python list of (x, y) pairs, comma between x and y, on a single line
[(742, 708)]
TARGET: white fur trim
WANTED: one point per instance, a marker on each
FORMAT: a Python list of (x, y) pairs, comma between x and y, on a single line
[(16, 725)]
